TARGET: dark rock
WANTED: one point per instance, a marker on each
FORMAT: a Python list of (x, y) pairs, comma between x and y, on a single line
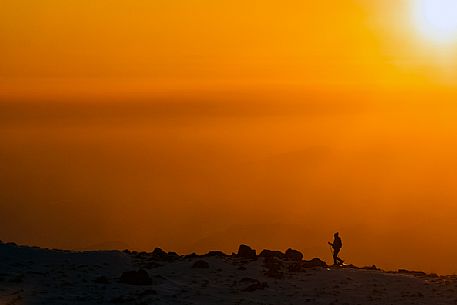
[(192, 255), (315, 262), (200, 264), (140, 277), (216, 253), (371, 268), (245, 251), (270, 253), (242, 268), (172, 256), (159, 254), (415, 273), (293, 255)]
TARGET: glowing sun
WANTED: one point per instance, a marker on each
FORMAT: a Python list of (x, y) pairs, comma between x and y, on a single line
[(436, 19)]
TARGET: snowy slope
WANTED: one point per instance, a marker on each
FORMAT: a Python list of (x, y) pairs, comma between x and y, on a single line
[(40, 276)]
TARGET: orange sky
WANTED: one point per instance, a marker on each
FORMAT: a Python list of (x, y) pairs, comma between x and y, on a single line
[(117, 47), (197, 124)]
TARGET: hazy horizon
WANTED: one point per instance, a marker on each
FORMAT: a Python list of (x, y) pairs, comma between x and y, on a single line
[(190, 174)]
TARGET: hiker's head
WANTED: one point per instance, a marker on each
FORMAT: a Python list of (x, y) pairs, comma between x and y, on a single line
[(336, 234)]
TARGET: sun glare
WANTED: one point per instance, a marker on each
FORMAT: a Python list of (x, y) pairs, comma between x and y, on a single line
[(437, 19)]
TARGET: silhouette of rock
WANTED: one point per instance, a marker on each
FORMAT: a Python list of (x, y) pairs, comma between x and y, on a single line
[(293, 255), (216, 253), (416, 273), (245, 251), (371, 268), (315, 262), (190, 256), (270, 253), (172, 256), (159, 254), (140, 277), (200, 264)]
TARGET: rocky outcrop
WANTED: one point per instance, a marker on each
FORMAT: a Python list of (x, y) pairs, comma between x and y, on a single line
[(271, 253), (140, 277), (245, 251), (200, 265), (293, 255), (315, 262)]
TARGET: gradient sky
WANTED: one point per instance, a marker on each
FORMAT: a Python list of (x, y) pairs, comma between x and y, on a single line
[(197, 125)]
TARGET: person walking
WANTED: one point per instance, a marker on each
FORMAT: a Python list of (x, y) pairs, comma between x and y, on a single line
[(336, 246)]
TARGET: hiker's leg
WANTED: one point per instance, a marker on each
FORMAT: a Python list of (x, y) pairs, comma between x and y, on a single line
[(336, 259), (340, 261)]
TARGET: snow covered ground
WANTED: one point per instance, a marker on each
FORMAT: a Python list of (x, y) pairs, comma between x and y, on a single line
[(40, 276)]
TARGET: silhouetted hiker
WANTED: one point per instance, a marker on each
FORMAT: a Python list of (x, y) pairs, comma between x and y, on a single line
[(336, 246)]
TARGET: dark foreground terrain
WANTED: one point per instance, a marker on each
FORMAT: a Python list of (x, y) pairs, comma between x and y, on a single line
[(42, 276)]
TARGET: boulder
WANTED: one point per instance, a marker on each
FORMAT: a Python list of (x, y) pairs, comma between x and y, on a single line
[(172, 256), (200, 264), (190, 256), (373, 267), (315, 262), (245, 251), (140, 277), (216, 253), (293, 255), (270, 253), (159, 254), (416, 273)]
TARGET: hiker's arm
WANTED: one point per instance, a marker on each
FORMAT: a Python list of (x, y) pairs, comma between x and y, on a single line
[(330, 244)]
